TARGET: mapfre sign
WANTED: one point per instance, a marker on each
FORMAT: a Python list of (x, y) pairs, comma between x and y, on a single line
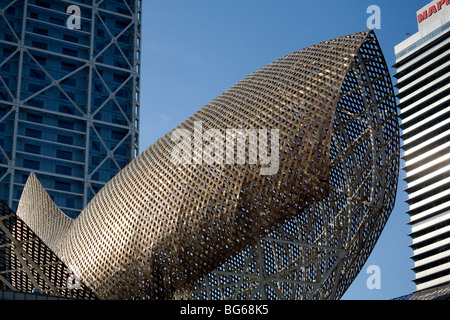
[(432, 10)]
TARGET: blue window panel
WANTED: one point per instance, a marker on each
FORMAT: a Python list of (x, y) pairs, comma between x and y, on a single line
[(118, 135), (6, 80), (33, 133), (70, 38), (63, 186), (65, 139), (71, 81), (70, 52), (95, 145), (7, 52), (6, 68), (40, 31), (120, 78), (11, 11), (3, 111), (37, 74), (98, 102), (66, 124), (36, 103), (98, 87), (121, 151), (39, 45), (66, 109), (124, 39), (34, 87), (64, 170), (112, 164), (32, 148), (66, 66), (43, 3), (31, 164), (34, 118), (95, 161), (57, 21), (42, 61), (70, 202), (66, 155), (121, 24)]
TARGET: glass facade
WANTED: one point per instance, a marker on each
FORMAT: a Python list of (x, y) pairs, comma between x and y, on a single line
[(69, 97)]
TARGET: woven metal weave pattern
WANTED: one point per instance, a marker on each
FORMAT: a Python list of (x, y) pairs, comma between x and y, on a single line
[(157, 228), (27, 264), (318, 253)]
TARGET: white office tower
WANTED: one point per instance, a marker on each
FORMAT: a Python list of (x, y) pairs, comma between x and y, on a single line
[(423, 73)]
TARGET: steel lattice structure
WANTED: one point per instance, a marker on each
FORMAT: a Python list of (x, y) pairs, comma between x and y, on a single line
[(69, 98), (217, 230)]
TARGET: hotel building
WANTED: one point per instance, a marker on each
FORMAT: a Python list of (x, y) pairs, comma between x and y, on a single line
[(423, 73)]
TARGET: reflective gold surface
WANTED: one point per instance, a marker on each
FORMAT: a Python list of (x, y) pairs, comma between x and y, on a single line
[(158, 228)]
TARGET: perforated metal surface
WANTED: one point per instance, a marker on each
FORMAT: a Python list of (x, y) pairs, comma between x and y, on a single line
[(28, 265), (160, 230), (318, 253)]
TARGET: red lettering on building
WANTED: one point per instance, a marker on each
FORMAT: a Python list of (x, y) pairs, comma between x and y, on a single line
[(431, 10), (423, 16)]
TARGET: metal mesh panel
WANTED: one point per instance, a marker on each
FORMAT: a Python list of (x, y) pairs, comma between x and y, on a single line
[(211, 229), (28, 265), (317, 254)]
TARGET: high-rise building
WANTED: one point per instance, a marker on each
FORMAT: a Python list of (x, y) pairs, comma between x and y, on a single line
[(69, 95), (423, 73)]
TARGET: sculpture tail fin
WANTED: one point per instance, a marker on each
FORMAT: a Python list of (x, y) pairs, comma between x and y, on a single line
[(42, 215)]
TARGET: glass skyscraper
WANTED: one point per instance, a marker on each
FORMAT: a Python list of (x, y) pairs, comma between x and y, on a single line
[(423, 73), (69, 95)]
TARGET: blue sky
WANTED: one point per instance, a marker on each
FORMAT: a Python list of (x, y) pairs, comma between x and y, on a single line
[(193, 50)]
